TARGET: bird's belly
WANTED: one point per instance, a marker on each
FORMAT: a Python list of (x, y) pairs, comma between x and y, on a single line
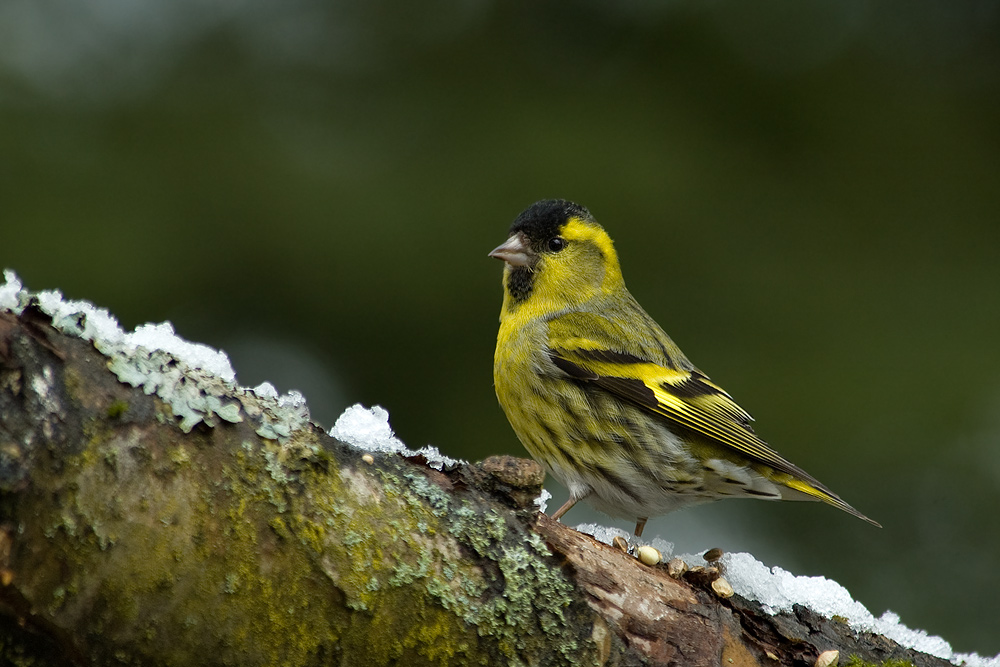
[(627, 463)]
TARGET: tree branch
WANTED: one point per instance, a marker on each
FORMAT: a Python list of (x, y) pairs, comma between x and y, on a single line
[(124, 538)]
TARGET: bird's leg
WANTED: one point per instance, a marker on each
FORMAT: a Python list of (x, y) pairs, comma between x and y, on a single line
[(566, 507), (640, 523)]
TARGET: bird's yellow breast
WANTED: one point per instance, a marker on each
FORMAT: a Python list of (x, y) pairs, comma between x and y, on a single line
[(518, 356)]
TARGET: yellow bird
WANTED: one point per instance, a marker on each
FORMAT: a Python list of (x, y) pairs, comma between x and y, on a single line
[(603, 399)]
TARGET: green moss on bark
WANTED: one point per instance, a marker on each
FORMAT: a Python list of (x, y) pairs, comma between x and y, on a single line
[(226, 548)]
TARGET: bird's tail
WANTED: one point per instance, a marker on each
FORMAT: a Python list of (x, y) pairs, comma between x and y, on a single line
[(813, 492)]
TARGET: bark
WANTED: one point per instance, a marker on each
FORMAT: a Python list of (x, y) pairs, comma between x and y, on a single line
[(126, 540)]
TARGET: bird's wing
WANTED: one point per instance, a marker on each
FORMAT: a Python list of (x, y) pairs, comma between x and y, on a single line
[(596, 350)]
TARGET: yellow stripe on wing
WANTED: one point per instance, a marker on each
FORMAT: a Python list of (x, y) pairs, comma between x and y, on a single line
[(685, 397), (715, 421)]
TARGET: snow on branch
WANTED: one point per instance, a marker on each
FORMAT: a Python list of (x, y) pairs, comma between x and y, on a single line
[(199, 385)]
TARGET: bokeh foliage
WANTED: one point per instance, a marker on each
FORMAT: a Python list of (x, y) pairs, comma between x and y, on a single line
[(805, 195)]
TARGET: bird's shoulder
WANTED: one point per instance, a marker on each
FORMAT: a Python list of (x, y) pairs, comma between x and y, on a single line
[(614, 329), (623, 350)]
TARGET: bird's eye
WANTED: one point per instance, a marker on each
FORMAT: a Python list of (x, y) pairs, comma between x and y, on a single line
[(557, 243)]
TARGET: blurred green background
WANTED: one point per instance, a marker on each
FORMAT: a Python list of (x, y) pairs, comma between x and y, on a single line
[(806, 195)]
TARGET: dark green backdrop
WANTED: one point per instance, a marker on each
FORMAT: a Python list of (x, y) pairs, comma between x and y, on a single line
[(806, 195)]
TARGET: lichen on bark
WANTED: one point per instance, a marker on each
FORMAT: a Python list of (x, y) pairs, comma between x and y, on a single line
[(141, 543)]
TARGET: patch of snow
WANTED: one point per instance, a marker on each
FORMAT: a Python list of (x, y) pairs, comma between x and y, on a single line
[(542, 501), (195, 380), (368, 429), (10, 290), (604, 534), (779, 590)]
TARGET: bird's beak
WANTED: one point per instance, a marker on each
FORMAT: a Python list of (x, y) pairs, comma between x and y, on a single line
[(515, 251)]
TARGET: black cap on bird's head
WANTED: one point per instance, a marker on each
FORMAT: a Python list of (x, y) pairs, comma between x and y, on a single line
[(536, 228), (544, 219)]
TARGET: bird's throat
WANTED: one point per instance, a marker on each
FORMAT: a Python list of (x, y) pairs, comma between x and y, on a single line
[(520, 281)]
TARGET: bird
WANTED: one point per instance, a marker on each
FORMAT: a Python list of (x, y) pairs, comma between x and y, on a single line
[(603, 399)]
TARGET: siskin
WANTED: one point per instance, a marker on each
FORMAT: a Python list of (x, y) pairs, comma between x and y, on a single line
[(600, 395)]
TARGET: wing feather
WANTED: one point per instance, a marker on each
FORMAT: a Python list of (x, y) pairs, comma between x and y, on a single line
[(671, 388)]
